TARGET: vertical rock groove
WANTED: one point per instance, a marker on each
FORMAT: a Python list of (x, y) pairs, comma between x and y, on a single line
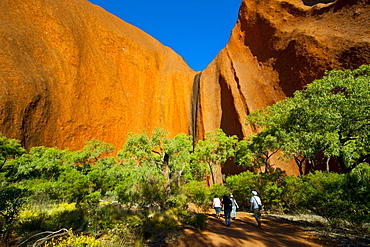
[(230, 122), (237, 81), (194, 106)]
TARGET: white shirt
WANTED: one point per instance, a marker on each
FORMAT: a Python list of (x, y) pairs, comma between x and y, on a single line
[(256, 201), (216, 202)]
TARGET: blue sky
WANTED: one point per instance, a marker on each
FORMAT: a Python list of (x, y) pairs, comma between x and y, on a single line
[(196, 29)]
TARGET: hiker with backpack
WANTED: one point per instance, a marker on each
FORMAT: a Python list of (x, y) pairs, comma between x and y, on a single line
[(256, 206)]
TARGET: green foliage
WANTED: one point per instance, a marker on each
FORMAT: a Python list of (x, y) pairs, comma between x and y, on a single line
[(40, 162), (92, 151), (125, 234), (141, 157), (197, 219), (50, 218), (357, 186), (73, 218), (90, 154), (242, 185), (269, 187), (263, 146), (199, 194), (329, 117), (214, 151), (292, 194), (74, 240), (324, 195), (243, 154), (99, 217), (272, 189), (163, 221), (155, 169), (179, 151), (11, 201), (102, 175), (74, 186), (218, 190), (340, 198), (136, 227), (9, 148)]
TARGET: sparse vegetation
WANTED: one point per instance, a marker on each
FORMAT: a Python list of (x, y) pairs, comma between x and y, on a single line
[(141, 194)]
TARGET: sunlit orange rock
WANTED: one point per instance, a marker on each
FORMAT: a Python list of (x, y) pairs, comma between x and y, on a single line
[(70, 72)]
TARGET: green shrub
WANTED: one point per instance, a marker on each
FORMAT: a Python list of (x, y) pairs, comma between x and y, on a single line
[(324, 194), (124, 234), (218, 190), (199, 194), (269, 187), (292, 194), (177, 201), (63, 215), (32, 221), (11, 202), (75, 241), (357, 187), (241, 186), (73, 185), (197, 220), (65, 219), (164, 221)]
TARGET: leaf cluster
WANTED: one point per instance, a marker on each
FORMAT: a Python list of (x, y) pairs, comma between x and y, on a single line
[(330, 117)]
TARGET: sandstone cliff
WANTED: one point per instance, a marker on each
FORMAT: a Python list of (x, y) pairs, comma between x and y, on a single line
[(277, 47), (70, 72)]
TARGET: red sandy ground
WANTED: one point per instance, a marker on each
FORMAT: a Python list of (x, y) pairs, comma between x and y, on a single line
[(244, 232)]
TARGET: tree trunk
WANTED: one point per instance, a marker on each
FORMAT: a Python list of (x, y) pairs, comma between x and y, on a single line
[(166, 173), (213, 173), (327, 164), (299, 163), (342, 165)]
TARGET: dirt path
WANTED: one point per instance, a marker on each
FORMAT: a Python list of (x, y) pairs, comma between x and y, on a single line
[(244, 232)]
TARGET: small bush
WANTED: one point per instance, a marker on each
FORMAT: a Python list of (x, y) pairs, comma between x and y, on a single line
[(199, 194), (323, 194), (218, 190), (66, 219), (164, 221), (123, 234), (63, 215), (197, 220), (32, 221), (75, 241)]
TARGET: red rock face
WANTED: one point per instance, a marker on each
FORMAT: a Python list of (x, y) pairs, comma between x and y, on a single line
[(71, 72), (276, 48)]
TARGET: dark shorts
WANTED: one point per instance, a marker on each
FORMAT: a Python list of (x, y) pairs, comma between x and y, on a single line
[(218, 210)]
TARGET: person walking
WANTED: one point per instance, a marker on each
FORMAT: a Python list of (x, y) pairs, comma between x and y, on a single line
[(234, 207), (227, 204), (217, 206), (256, 206)]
